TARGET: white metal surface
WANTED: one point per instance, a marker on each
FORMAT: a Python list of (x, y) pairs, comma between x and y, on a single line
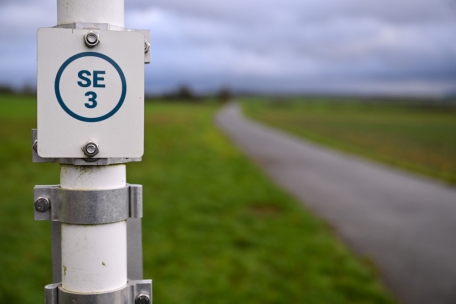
[(90, 94), (99, 11), (94, 257), (93, 177)]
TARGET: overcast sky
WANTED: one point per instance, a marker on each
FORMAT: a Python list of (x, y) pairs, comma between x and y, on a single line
[(297, 46)]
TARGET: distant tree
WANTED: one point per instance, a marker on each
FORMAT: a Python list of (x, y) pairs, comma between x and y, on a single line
[(182, 93), (224, 95), (28, 89), (185, 93), (6, 89)]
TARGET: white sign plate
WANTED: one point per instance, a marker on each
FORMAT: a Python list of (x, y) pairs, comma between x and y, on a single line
[(90, 94)]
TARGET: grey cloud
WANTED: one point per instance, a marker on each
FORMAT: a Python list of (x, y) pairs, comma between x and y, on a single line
[(257, 11), (270, 45)]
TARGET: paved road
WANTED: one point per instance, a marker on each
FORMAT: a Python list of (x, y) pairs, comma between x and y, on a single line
[(407, 224)]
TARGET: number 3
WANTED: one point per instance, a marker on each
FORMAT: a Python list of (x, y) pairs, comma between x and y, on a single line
[(92, 99)]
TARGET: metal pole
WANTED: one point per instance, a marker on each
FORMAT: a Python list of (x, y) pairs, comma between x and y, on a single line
[(90, 11), (94, 258), (95, 215)]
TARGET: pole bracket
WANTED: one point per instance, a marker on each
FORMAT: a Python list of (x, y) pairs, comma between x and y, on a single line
[(111, 27), (134, 292), (76, 161), (87, 207)]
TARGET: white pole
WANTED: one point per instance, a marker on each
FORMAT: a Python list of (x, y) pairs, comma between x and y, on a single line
[(90, 11), (94, 257)]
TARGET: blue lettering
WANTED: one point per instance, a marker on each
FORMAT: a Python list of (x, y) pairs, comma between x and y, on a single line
[(97, 78), (92, 99), (82, 77)]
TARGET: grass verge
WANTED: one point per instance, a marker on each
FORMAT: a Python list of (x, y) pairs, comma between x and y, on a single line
[(215, 229), (415, 136)]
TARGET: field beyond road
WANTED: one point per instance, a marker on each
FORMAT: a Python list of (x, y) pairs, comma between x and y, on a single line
[(416, 136), (215, 230)]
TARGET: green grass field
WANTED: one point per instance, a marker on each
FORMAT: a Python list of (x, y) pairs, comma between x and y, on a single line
[(215, 229), (414, 136)]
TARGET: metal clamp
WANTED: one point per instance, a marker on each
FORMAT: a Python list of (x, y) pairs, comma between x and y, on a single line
[(87, 207), (135, 292)]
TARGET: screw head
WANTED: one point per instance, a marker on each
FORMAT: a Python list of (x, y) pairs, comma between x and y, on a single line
[(90, 149), (91, 39), (42, 204), (142, 299), (146, 46)]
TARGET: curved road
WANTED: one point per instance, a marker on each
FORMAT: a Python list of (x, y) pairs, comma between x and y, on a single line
[(405, 223)]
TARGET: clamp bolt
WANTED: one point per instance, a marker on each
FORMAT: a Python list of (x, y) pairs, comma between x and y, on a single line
[(146, 46), (91, 39), (35, 146), (42, 204), (142, 299), (90, 149)]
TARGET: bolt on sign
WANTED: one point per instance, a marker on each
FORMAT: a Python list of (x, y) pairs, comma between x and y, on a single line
[(90, 90)]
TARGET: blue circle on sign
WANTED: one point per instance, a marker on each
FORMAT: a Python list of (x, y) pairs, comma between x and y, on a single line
[(79, 117)]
